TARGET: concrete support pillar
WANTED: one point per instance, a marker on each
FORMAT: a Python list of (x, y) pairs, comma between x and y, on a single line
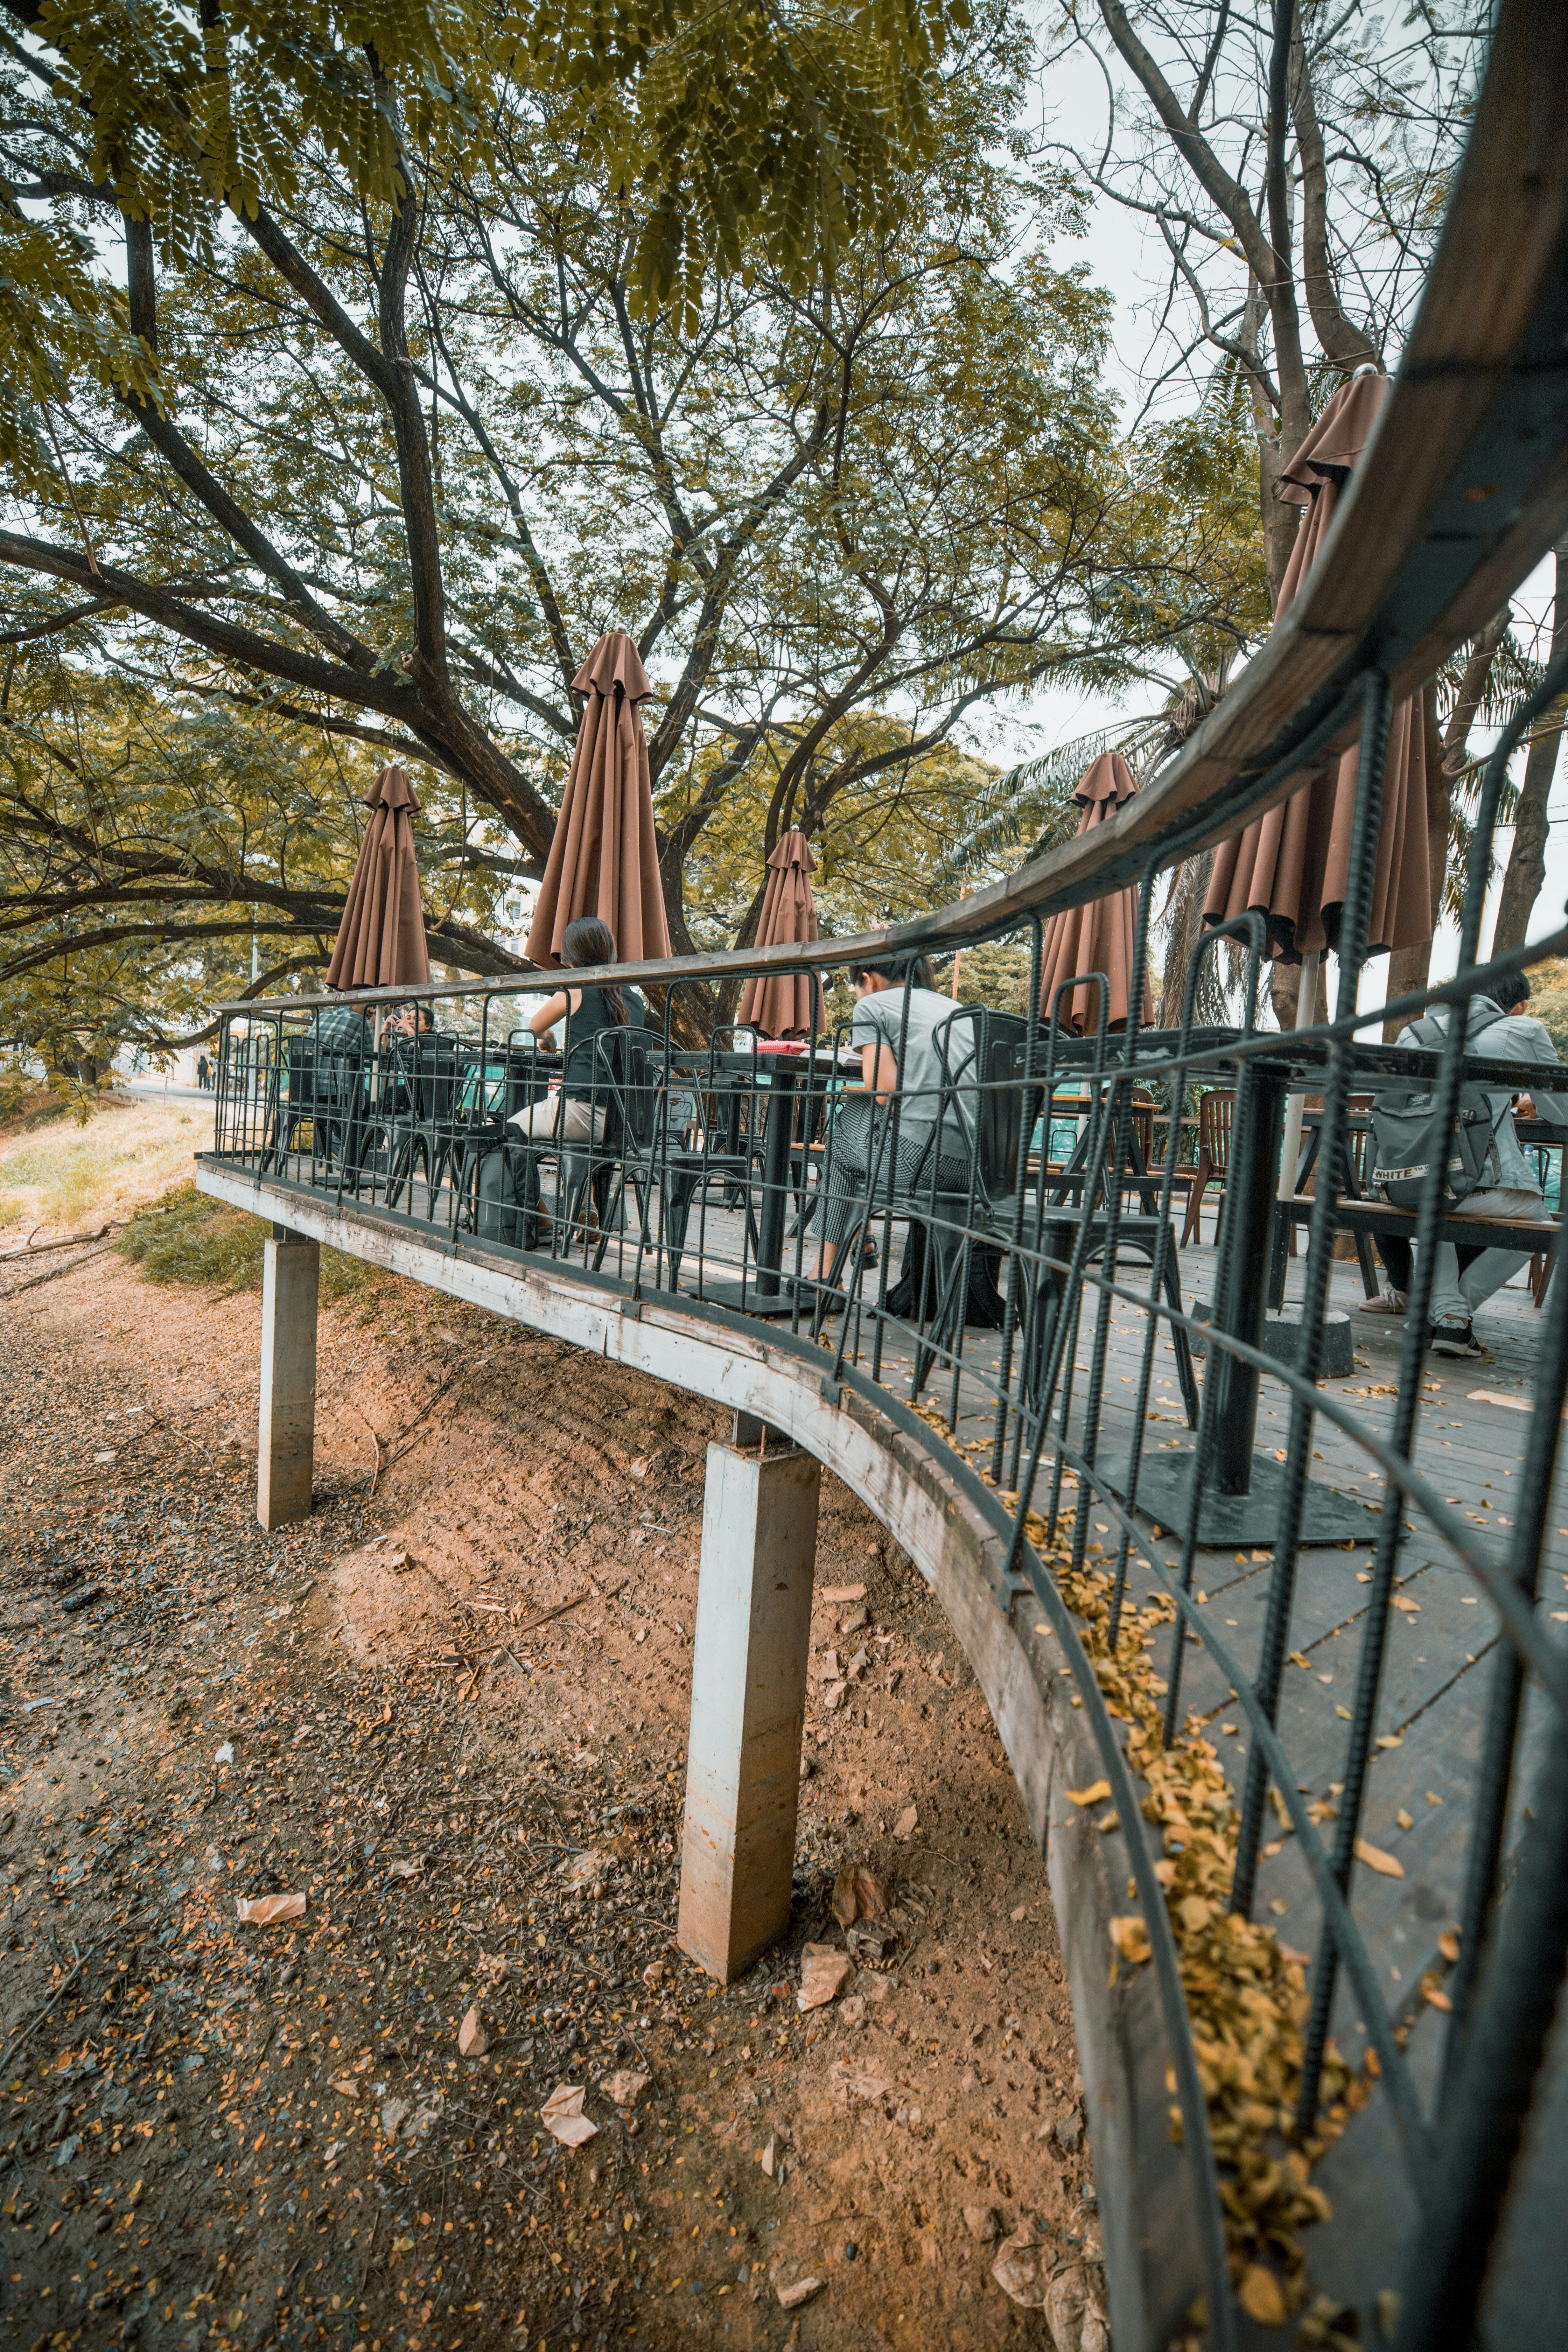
[(286, 1435), (748, 1700)]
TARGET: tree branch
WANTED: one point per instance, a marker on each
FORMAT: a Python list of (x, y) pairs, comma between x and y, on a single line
[(172, 444), (1346, 345)]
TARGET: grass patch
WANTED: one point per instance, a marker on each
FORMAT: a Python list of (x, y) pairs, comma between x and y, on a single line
[(186, 1237), (57, 1175), (68, 1177), (189, 1238)]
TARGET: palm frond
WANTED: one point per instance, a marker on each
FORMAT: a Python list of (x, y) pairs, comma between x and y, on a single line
[(1030, 802)]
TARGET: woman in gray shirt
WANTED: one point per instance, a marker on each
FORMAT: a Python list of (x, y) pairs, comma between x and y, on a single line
[(899, 1033)]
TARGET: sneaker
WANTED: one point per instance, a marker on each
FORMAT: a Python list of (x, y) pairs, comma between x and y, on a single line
[(1387, 1302), (1452, 1337)]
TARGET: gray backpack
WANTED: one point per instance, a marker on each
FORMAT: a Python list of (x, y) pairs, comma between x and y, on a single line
[(1404, 1135)]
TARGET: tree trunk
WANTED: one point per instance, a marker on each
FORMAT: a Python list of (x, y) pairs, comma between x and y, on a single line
[(1187, 921), (1410, 968), (1447, 754), (1527, 858), (1280, 522)]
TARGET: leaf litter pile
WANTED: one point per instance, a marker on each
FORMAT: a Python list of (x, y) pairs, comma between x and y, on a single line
[(1246, 1991), (341, 2001)]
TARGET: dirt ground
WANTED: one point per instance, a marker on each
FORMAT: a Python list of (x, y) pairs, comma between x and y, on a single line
[(227, 2135)]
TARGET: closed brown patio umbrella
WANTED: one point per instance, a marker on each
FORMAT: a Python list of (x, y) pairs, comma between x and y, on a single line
[(602, 860), (381, 940), (785, 1004), (1098, 936), (1294, 863)]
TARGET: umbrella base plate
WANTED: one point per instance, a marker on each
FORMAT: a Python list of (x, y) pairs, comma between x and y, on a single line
[(747, 1299), (1226, 1522)]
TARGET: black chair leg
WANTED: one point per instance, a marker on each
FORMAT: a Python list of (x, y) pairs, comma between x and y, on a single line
[(1279, 1254), (405, 1150), (612, 1213), (679, 1195), (946, 1327), (853, 1254), (1172, 1288), (1368, 1265)]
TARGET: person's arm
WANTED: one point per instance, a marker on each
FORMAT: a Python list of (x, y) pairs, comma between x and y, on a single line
[(879, 1070), (879, 1063), (1537, 1040), (554, 1009)]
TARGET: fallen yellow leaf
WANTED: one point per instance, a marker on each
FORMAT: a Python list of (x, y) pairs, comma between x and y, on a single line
[(1262, 2296), (1376, 1859), (1092, 1795), (1131, 1938)]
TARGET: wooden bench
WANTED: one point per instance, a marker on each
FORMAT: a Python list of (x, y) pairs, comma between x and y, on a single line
[(1531, 1236)]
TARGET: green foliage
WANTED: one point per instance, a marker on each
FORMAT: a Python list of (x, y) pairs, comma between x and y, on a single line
[(188, 1237), (717, 128), (997, 972), (1549, 1000), (147, 840), (429, 423)]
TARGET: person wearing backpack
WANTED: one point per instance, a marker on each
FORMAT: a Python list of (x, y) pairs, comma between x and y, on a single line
[(1490, 1175)]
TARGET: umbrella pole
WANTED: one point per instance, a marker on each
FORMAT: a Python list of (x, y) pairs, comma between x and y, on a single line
[(1290, 1150), (1239, 1502), (1306, 1014)]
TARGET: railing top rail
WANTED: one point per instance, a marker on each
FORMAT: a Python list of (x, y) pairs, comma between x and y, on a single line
[(1463, 489)]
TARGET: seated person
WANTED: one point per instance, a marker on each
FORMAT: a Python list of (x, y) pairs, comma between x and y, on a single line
[(410, 1023), (860, 1138), (1398, 1259), (1515, 1191), (344, 1036), (578, 1113)]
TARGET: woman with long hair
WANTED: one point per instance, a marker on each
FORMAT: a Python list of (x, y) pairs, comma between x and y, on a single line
[(577, 1114)]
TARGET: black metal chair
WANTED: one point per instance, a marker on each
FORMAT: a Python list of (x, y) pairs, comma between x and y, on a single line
[(984, 1096), (293, 1099), (643, 1146), (494, 1083), (326, 1090), (681, 1168), (582, 1167), (424, 1129)]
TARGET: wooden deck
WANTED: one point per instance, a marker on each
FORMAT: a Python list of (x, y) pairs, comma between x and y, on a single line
[(1437, 1668)]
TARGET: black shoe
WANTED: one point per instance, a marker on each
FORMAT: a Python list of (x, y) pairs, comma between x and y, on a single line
[(1452, 1337)]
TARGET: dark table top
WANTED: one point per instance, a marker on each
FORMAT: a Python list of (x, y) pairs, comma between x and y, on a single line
[(1276, 1052)]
